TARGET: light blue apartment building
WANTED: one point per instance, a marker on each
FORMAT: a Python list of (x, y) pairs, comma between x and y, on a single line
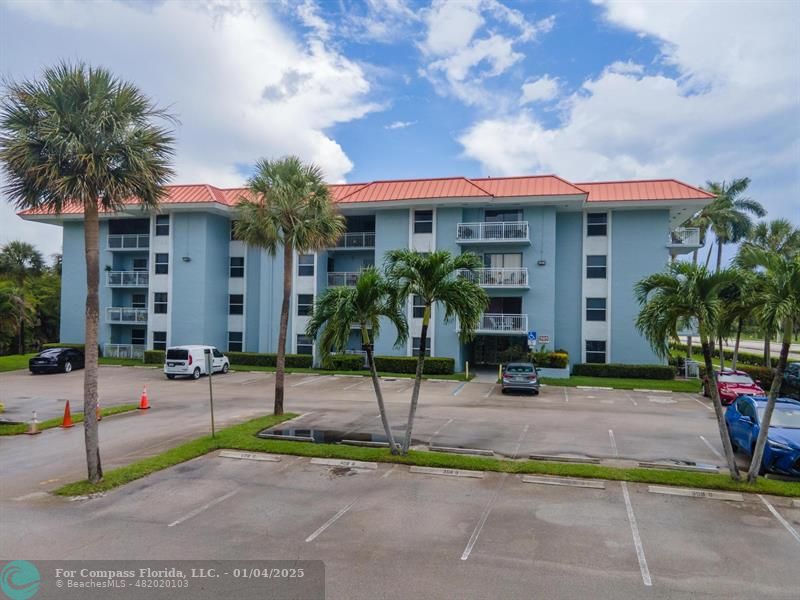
[(560, 259)]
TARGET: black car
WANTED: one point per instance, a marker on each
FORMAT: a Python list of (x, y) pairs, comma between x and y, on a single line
[(56, 360), (790, 386)]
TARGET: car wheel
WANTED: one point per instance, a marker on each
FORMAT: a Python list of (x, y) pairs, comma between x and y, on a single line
[(170, 376), (196, 373), (67, 367), (503, 391), (225, 368)]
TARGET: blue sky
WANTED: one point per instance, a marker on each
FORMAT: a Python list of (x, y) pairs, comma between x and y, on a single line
[(383, 89)]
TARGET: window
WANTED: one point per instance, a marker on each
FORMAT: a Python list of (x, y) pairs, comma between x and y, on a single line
[(235, 304), (305, 304), (162, 264), (595, 351), (423, 221), (234, 237), (140, 264), (162, 224), (139, 301), (596, 224), (159, 340), (596, 266), (138, 336), (305, 265), (237, 266), (415, 346), (502, 216), (305, 345), (595, 309), (494, 260), (234, 341), (418, 308), (160, 303)]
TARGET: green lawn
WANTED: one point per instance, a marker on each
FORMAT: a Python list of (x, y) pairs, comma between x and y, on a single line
[(12, 362), (676, 385), (77, 417), (242, 437)]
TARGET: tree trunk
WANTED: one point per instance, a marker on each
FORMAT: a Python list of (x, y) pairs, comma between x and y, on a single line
[(774, 389), (280, 361), (719, 255), (21, 343), (694, 257), (708, 256), (722, 425), (688, 347), (767, 349), (721, 354), (376, 384), (426, 317), (735, 360), (91, 233)]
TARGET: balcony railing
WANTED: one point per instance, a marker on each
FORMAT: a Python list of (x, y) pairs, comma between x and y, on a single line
[(115, 314), (127, 278), (128, 241), (512, 231), (356, 240), (684, 236), (502, 278), (342, 279), (503, 323), (123, 350)]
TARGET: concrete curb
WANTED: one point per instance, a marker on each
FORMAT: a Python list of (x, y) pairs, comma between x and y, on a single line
[(673, 467), (471, 451), (568, 459)]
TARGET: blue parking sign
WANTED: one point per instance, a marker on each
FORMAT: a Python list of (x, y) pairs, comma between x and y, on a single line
[(532, 337)]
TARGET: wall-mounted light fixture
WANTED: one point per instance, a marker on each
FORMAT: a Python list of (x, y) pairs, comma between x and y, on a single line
[(541, 262), (187, 259)]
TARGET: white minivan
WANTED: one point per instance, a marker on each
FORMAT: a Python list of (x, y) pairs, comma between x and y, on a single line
[(190, 361)]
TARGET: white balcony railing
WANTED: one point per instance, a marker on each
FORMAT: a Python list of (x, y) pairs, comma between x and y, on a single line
[(123, 350), (127, 278), (684, 236), (500, 277), (356, 240), (338, 279), (128, 241), (512, 231), (118, 314), (503, 323)]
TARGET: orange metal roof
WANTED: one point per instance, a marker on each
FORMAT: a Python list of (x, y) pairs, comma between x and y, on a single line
[(651, 189), (449, 187)]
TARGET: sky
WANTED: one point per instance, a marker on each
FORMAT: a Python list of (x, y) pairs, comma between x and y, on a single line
[(392, 89)]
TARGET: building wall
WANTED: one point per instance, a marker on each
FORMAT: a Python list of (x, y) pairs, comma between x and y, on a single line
[(637, 249), (73, 296), (391, 231), (568, 261), (445, 340)]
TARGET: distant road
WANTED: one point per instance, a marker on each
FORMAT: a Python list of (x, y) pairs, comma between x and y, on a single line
[(756, 347)]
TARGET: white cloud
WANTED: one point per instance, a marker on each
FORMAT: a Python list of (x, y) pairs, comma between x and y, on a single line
[(308, 12), (539, 90), (378, 21), (730, 109), (399, 124)]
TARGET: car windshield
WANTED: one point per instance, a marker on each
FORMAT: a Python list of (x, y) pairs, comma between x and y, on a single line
[(51, 352), (734, 378), (783, 416), (519, 369), (177, 354)]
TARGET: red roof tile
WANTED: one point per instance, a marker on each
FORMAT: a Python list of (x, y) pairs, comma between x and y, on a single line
[(536, 185), (416, 189), (652, 189)]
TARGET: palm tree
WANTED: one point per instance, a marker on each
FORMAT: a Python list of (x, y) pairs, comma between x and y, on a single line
[(81, 136), (288, 204), (364, 305), (436, 278), (779, 298), (20, 260), (686, 291), (739, 303), (17, 310), (779, 236)]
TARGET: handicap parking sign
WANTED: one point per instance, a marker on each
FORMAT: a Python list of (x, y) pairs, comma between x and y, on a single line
[(532, 337)]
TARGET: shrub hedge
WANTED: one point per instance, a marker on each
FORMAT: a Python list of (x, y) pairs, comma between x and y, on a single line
[(408, 364), (154, 357), (625, 371), (745, 358), (298, 361), (553, 360), (343, 362)]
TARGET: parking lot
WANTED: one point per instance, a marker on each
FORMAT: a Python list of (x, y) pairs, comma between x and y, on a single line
[(385, 531)]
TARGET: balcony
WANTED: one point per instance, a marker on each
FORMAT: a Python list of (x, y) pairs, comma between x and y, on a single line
[(128, 241), (504, 324), (498, 278), (123, 351), (130, 279), (341, 278), (493, 233), (357, 240), (133, 316), (683, 240)]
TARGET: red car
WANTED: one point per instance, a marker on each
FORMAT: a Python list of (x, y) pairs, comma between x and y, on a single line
[(732, 384)]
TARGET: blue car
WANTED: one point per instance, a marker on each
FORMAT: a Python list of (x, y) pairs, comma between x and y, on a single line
[(782, 452)]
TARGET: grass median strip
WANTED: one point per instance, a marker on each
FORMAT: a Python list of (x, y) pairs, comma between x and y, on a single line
[(21, 428), (242, 437), (675, 385)]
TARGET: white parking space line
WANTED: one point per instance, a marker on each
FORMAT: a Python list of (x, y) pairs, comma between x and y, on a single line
[(205, 507), (637, 540), (389, 472), (474, 537), (781, 520), (491, 389), (703, 404), (330, 522), (613, 442), (631, 398), (566, 394), (353, 385), (519, 441), (710, 447), (458, 388), (310, 380), (435, 433)]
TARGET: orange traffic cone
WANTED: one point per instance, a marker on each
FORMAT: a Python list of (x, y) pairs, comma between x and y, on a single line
[(143, 402), (99, 412), (66, 422)]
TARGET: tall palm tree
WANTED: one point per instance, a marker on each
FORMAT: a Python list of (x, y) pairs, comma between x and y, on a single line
[(779, 236), (20, 260), (17, 310), (779, 297), (364, 305), (288, 204), (436, 278), (739, 303), (686, 291), (79, 135)]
